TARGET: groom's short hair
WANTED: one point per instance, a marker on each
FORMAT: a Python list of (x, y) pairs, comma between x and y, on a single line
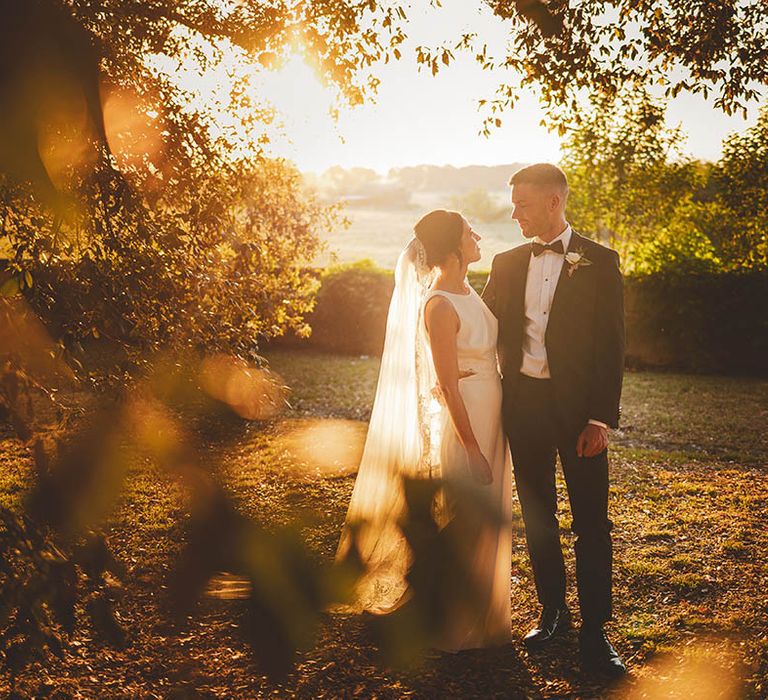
[(541, 174)]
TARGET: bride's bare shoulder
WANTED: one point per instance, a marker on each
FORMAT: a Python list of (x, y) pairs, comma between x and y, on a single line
[(439, 311), (437, 304)]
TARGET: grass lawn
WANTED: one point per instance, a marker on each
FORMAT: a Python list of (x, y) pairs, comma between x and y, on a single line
[(689, 504)]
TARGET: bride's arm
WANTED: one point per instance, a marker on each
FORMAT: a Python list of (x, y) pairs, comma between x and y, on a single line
[(442, 328)]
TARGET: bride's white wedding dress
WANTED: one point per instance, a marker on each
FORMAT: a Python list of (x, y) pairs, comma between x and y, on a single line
[(487, 620), (411, 435)]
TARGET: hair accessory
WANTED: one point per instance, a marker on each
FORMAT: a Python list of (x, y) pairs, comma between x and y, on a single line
[(418, 255)]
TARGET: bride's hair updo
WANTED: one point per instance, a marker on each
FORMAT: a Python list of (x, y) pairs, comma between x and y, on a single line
[(440, 233)]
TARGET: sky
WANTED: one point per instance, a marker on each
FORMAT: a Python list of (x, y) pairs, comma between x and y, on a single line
[(418, 118)]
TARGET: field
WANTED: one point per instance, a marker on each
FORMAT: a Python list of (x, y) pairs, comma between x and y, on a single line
[(380, 234), (689, 502)]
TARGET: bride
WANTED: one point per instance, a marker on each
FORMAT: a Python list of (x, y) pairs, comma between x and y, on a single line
[(437, 415)]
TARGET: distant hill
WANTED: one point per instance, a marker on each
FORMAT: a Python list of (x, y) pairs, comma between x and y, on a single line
[(365, 187), (447, 178)]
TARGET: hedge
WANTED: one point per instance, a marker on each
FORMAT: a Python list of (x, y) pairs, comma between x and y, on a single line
[(699, 323), (686, 322)]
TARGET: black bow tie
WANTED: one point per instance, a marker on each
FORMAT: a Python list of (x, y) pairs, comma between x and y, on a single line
[(539, 248)]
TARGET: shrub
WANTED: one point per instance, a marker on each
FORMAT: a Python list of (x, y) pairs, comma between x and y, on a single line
[(698, 322), (351, 310), (691, 321), (477, 280)]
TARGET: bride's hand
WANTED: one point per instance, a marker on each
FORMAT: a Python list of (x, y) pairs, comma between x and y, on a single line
[(478, 466)]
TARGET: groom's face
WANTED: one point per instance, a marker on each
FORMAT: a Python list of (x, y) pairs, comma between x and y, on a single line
[(533, 207)]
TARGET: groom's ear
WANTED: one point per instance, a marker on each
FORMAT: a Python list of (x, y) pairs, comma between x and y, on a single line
[(559, 197)]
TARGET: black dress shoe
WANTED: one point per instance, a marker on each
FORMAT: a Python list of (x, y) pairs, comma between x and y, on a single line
[(597, 655), (553, 621)]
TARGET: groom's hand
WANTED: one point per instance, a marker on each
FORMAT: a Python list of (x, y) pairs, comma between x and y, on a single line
[(592, 440)]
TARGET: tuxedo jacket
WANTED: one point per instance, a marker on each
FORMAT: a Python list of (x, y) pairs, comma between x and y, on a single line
[(585, 333)]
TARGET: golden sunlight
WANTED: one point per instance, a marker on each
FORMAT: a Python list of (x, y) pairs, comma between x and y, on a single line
[(228, 587), (133, 133), (304, 106), (252, 393), (700, 672), (63, 138), (328, 447)]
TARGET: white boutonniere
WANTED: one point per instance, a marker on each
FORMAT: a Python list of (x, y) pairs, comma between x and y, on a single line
[(575, 260)]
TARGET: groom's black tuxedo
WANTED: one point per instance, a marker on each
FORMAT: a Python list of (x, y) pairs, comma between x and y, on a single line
[(584, 347), (585, 332)]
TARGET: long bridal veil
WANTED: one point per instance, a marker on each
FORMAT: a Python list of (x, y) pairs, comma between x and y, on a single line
[(401, 441)]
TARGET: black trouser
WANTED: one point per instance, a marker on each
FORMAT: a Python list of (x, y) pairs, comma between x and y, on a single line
[(536, 436)]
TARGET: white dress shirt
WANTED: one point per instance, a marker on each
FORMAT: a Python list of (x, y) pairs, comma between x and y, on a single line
[(543, 274)]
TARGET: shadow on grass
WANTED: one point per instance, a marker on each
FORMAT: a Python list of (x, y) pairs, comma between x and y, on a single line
[(348, 660)]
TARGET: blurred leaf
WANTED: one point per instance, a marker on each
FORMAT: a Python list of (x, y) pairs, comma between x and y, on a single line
[(95, 558), (440, 581), (212, 533), (42, 47), (104, 621), (63, 576)]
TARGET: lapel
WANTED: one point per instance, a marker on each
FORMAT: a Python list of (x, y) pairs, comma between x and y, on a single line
[(564, 279), (519, 277)]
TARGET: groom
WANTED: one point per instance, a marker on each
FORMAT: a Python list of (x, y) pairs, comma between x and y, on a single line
[(559, 303)]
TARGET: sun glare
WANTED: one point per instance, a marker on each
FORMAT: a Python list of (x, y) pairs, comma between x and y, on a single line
[(304, 106), (296, 90), (330, 447)]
